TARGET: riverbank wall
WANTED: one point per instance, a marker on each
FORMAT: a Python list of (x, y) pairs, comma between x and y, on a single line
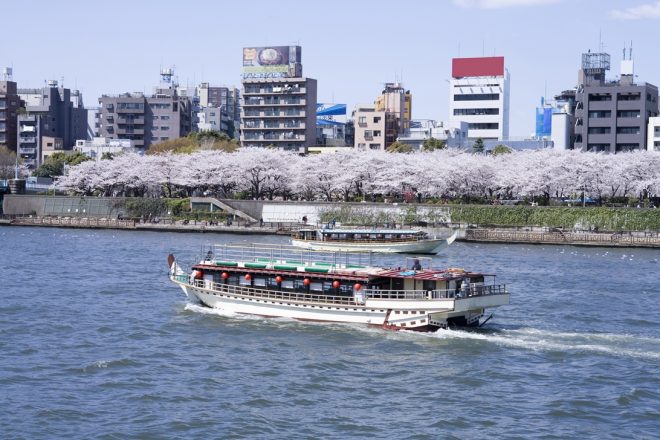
[(577, 226)]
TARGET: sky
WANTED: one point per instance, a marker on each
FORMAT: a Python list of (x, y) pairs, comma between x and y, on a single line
[(350, 47)]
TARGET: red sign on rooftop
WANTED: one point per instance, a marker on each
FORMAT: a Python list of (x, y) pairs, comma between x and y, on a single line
[(483, 66)]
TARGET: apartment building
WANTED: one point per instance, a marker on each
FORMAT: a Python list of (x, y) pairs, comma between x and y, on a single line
[(653, 143), (369, 126), (397, 102), (225, 103), (55, 117), (479, 95), (612, 116), (279, 104), (146, 120), (9, 105)]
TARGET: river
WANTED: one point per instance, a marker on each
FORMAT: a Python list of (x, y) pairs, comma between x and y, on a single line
[(97, 344)]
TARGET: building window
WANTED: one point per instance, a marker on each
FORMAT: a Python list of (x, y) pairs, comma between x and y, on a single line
[(627, 130), (484, 126), (628, 114), (600, 130), (476, 111), (477, 97), (376, 119), (598, 147), (626, 147), (164, 117), (362, 121), (600, 97), (600, 114), (164, 127), (377, 133), (628, 96), (374, 146)]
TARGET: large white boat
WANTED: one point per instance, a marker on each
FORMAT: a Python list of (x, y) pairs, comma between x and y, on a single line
[(284, 281), (370, 240)]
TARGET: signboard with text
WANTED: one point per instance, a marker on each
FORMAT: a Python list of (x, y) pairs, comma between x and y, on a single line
[(272, 62)]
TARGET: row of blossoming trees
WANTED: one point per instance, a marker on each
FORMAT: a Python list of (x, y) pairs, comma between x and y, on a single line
[(268, 173)]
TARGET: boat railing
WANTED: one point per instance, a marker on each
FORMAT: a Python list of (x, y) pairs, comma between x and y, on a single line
[(272, 294), (471, 291), (286, 254)]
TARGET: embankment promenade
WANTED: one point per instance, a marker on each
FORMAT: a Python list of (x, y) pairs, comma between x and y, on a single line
[(467, 234)]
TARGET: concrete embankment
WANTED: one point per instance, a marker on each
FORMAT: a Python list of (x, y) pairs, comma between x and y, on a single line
[(103, 223), (609, 239), (484, 235)]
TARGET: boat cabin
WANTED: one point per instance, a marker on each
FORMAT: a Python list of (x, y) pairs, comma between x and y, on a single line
[(343, 279), (359, 235)]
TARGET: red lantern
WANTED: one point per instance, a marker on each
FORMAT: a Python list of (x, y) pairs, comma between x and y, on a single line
[(197, 274), (278, 279), (225, 275), (336, 284), (357, 287), (248, 277), (306, 282)]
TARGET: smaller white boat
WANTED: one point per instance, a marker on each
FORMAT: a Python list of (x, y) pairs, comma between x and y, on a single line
[(370, 240)]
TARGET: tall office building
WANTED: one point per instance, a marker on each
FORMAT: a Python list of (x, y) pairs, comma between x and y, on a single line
[(55, 117), (479, 95), (279, 104), (9, 105), (146, 120), (612, 116)]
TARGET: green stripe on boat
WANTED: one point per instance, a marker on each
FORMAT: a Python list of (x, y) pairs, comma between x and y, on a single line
[(256, 265), (355, 266), (323, 264), (284, 267), (298, 263), (317, 269), (226, 263)]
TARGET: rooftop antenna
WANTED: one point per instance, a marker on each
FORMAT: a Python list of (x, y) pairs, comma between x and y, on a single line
[(630, 50)]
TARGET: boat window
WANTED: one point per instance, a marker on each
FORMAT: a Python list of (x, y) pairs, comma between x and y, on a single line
[(428, 284), (397, 283), (260, 282), (243, 282), (233, 279), (317, 287), (287, 284)]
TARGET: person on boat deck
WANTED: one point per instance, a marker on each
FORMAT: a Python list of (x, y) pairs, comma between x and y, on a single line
[(416, 265)]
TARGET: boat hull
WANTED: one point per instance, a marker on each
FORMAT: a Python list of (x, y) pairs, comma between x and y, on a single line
[(421, 315), (432, 246)]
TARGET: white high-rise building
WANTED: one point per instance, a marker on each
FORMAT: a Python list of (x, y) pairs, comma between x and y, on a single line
[(479, 95)]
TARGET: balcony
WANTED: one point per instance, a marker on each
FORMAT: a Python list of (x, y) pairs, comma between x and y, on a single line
[(134, 121), (276, 90), (27, 140), (136, 111), (29, 151), (136, 131)]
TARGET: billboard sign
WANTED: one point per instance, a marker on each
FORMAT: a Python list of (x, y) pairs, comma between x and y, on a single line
[(271, 62)]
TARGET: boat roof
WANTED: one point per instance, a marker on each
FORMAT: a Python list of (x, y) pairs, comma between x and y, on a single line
[(370, 231), (272, 259), (430, 274)]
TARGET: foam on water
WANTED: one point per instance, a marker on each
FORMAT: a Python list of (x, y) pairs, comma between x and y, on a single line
[(547, 340)]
